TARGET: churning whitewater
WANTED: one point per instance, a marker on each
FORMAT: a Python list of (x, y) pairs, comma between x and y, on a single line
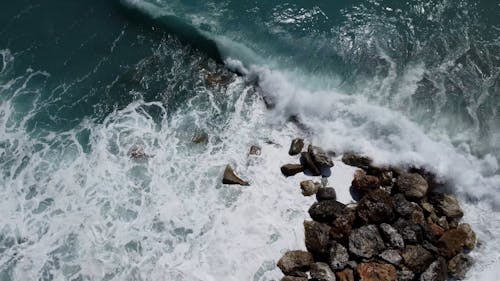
[(84, 86)]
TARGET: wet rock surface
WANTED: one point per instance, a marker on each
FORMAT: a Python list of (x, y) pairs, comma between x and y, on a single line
[(231, 178), (296, 146)]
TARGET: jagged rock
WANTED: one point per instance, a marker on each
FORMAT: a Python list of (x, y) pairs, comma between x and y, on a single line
[(392, 235), (437, 271), (356, 160), (363, 183), (339, 256), (427, 207), (385, 177), (376, 272), (443, 222), (307, 161), (293, 261), (459, 265), (345, 275), (417, 258), (405, 275), (294, 278), (401, 205), (309, 187), (326, 193), (470, 240), (291, 169), (430, 247), (411, 233), (200, 138), (412, 185), (231, 178), (342, 225), (391, 256), (452, 242), (296, 146), (437, 230), (446, 205), (366, 241), (317, 238), (321, 272), (326, 211), (319, 156), (254, 150), (376, 207)]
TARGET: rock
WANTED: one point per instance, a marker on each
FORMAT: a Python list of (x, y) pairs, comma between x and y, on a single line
[(429, 209), (296, 146), (452, 242), (307, 161), (470, 240), (391, 256), (416, 258), (338, 256), (356, 160), (363, 183), (373, 271), (200, 138), (317, 238), (412, 185), (326, 211), (443, 222), (309, 187), (437, 230), (345, 275), (326, 193), (376, 207), (294, 278), (392, 235), (291, 169), (459, 265), (319, 156), (405, 275), (411, 233), (231, 178), (295, 261), (366, 241), (446, 205), (437, 271), (321, 272), (401, 205), (254, 150), (342, 225)]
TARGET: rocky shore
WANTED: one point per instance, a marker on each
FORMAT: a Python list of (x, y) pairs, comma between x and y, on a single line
[(402, 227)]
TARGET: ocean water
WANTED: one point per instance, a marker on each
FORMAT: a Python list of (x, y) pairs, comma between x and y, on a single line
[(85, 84)]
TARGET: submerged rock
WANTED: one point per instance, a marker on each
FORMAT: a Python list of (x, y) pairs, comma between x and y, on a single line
[(412, 185), (317, 238), (291, 169), (231, 178), (309, 187), (200, 138), (339, 256), (373, 271), (326, 211), (296, 146), (366, 241), (321, 272), (376, 207), (293, 261)]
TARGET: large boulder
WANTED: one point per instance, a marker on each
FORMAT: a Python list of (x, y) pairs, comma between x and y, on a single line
[(309, 165), (459, 265), (309, 187), (416, 258), (293, 261), (363, 183), (319, 156), (317, 238), (392, 236), (321, 272), (452, 242), (366, 241), (296, 146), (326, 211), (373, 271), (339, 256), (345, 275), (356, 160), (437, 271), (326, 193), (446, 205), (291, 169), (376, 207), (412, 185), (231, 178)]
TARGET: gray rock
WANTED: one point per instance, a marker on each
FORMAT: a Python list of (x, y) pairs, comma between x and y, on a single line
[(231, 178), (416, 258), (200, 138), (291, 169), (339, 256), (321, 272), (392, 235), (326, 211), (319, 156), (446, 205), (437, 271), (459, 265), (411, 233), (254, 150), (412, 185), (326, 193), (401, 205), (307, 161), (296, 146), (405, 275), (376, 207), (309, 187), (391, 256), (293, 261), (317, 238), (366, 241)]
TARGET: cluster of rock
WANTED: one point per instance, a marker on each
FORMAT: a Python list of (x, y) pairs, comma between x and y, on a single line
[(401, 228)]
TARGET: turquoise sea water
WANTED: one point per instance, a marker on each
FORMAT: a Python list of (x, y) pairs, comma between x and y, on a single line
[(83, 84)]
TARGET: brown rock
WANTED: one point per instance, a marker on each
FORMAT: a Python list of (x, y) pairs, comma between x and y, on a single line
[(317, 238), (470, 240), (307, 161), (342, 225), (446, 205), (416, 258), (291, 169), (200, 138), (339, 256), (412, 185), (345, 275), (459, 265), (452, 242), (309, 187), (376, 272), (295, 261), (326, 211), (231, 178), (296, 146), (356, 160), (437, 230), (376, 207), (363, 183)]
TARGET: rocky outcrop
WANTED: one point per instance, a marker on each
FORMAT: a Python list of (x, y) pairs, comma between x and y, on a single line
[(296, 146), (231, 178)]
